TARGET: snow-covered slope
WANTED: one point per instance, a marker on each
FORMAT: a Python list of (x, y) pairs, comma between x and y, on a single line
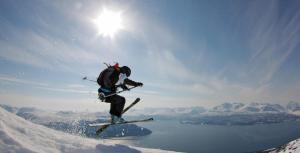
[(41, 116), (76, 122), (20, 136), (291, 147)]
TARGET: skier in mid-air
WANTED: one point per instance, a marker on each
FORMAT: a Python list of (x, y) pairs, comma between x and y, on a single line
[(109, 80)]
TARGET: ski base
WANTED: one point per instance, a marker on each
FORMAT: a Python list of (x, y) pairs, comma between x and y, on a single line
[(106, 125), (125, 122)]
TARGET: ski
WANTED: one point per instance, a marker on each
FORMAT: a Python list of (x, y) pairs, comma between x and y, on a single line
[(132, 104), (106, 125), (103, 127), (125, 122)]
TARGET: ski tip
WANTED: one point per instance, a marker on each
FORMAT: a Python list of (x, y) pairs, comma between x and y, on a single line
[(138, 99)]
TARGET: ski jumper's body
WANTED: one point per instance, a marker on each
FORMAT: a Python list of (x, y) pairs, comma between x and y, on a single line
[(109, 80)]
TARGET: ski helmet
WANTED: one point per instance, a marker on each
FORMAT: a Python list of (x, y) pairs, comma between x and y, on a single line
[(126, 70)]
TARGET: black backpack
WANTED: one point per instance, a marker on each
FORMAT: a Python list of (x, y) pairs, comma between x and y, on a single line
[(108, 77)]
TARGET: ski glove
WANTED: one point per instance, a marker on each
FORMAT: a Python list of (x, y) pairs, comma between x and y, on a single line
[(139, 84), (124, 87)]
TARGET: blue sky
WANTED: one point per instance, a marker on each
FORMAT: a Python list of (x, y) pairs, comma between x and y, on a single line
[(187, 53)]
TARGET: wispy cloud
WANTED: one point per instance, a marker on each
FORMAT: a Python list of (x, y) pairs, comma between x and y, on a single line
[(161, 46), (174, 75), (54, 103), (21, 81), (67, 88), (46, 45), (43, 51), (273, 38)]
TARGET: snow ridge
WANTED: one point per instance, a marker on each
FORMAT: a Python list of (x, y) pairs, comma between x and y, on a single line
[(19, 135), (291, 147)]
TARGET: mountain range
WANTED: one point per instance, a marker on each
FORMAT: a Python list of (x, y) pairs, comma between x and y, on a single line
[(222, 109), (224, 114)]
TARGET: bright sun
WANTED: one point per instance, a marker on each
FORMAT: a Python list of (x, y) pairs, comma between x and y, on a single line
[(108, 23)]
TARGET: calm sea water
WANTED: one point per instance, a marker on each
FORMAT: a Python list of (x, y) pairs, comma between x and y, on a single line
[(171, 135)]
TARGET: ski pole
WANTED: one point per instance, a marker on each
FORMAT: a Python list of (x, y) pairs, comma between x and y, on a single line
[(85, 78), (119, 92)]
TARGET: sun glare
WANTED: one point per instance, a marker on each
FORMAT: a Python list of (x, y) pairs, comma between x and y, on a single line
[(108, 23)]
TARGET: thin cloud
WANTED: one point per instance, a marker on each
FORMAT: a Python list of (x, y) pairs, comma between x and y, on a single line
[(21, 81), (273, 39), (55, 103), (41, 47), (69, 88)]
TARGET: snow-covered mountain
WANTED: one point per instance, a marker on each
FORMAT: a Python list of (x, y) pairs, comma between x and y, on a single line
[(227, 107), (293, 107), (223, 109), (246, 114), (18, 135), (180, 111), (249, 108)]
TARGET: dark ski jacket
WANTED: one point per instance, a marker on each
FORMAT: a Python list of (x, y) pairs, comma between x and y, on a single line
[(109, 77)]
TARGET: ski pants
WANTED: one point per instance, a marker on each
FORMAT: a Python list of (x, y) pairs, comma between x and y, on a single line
[(117, 104)]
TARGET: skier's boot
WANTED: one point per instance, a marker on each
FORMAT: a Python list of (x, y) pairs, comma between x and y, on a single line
[(121, 120), (115, 119)]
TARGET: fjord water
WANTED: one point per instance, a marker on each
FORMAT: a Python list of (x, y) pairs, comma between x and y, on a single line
[(172, 135)]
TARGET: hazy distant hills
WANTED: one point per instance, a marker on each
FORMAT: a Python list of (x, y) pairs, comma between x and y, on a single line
[(249, 108), (225, 108), (291, 107), (224, 114), (228, 113)]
